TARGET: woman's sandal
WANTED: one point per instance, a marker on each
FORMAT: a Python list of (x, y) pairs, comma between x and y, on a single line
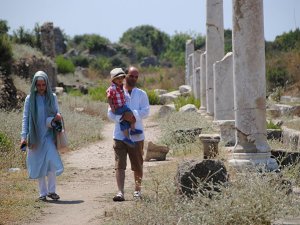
[(42, 198), (53, 196)]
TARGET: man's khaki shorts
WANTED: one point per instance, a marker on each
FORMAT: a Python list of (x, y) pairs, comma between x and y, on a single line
[(135, 155)]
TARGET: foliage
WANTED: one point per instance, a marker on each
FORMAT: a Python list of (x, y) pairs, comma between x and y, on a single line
[(271, 125), (101, 64), (92, 42), (285, 42), (64, 65), (148, 36), (250, 198), (276, 76), (153, 97), (4, 28), (228, 40), (182, 121), (6, 55), (175, 52), (99, 93), (182, 101), (80, 60)]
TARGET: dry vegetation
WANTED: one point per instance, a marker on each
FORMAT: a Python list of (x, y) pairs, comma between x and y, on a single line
[(18, 194), (249, 198)]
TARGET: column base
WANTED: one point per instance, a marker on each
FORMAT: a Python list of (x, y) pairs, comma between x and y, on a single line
[(242, 161)]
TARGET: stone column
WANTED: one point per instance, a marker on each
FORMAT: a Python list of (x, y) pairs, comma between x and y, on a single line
[(223, 89), (48, 40), (189, 49), (203, 82), (214, 46), (190, 70), (251, 148), (196, 80)]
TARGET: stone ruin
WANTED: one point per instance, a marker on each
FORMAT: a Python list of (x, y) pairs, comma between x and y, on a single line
[(233, 87), (10, 97)]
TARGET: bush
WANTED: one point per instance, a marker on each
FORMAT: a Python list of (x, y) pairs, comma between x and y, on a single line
[(6, 55), (64, 65), (80, 61), (92, 42), (101, 64), (153, 97), (271, 125), (99, 93), (182, 101)]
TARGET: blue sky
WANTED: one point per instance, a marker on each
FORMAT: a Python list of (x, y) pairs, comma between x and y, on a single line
[(110, 18)]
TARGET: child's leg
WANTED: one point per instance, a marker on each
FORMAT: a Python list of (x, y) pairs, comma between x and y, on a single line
[(126, 133)]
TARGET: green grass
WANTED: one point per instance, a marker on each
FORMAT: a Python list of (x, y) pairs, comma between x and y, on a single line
[(64, 65), (99, 93), (182, 101), (271, 125), (153, 97)]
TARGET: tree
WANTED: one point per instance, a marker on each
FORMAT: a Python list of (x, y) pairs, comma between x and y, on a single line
[(3, 27), (146, 36), (5, 55)]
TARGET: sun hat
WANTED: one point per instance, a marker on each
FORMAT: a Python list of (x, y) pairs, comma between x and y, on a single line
[(117, 72)]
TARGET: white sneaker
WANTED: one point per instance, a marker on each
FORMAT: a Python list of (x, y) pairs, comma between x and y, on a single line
[(137, 194)]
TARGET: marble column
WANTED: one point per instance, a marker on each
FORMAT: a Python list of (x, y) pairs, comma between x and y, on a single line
[(203, 82), (223, 89), (214, 46), (189, 49), (190, 69), (197, 69), (251, 148)]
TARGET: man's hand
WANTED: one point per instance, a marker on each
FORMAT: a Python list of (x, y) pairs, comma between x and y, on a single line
[(128, 116)]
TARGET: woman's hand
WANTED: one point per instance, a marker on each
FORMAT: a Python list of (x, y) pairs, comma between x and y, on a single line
[(57, 117)]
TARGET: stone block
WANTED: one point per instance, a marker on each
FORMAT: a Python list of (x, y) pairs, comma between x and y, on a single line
[(157, 152), (210, 145), (205, 177), (227, 131), (166, 109), (187, 135)]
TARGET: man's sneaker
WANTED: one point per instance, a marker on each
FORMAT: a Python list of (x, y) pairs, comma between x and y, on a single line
[(135, 132), (137, 195), (119, 197), (129, 142)]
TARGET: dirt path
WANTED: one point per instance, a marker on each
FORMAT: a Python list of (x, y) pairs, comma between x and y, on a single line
[(88, 183)]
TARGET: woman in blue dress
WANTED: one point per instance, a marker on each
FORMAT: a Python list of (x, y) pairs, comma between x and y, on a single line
[(41, 112)]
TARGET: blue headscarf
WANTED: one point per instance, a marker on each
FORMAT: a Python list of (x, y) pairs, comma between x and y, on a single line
[(33, 114)]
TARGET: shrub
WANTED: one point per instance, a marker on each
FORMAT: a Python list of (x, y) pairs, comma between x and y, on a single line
[(271, 125), (80, 61), (182, 121), (276, 76), (6, 55), (101, 64), (99, 93), (182, 101), (153, 97), (64, 65)]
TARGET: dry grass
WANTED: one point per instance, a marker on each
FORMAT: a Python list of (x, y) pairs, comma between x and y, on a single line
[(249, 198), (18, 194), (177, 121)]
